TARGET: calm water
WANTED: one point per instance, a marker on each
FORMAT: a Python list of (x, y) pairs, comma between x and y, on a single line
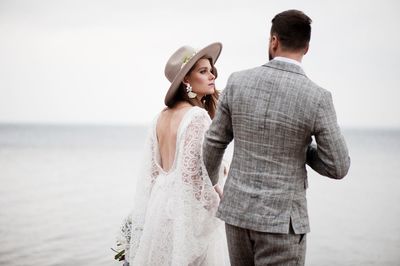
[(64, 191)]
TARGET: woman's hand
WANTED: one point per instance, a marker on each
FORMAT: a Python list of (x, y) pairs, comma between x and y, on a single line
[(218, 189)]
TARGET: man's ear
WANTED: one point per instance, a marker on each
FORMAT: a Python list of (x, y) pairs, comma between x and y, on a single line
[(306, 49), (274, 42)]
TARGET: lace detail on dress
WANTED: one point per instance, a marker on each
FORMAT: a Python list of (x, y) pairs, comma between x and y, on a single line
[(132, 228), (194, 173), (155, 171), (173, 222)]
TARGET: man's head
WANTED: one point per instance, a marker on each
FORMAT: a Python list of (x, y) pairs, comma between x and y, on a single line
[(290, 32)]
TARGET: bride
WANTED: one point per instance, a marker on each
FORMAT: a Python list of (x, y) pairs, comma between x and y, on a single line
[(173, 222)]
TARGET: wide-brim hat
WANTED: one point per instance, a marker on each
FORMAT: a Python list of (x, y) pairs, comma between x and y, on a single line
[(179, 64)]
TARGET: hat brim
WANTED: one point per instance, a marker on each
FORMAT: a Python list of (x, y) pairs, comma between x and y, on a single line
[(212, 51)]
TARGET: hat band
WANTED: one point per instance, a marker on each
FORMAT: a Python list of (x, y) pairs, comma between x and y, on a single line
[(187, 58)]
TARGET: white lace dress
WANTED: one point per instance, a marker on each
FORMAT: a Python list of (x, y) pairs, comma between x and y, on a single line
[(173, 222)]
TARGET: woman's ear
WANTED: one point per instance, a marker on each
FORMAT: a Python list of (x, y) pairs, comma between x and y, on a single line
[(185, 80)]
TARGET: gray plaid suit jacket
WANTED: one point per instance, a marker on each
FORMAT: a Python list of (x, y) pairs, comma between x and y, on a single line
[(272, 112)]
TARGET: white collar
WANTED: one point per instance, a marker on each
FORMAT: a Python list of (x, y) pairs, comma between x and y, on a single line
[(287, 60)]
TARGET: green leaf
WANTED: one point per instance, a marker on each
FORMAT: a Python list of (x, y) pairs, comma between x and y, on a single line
[(120, 256)]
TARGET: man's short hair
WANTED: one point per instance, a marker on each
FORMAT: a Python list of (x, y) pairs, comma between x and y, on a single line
[(293, 29)]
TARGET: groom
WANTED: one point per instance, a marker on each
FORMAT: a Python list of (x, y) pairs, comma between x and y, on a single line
[(272, 111)]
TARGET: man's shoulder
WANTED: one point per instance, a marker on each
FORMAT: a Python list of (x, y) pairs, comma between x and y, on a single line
[(317, 88), (245, 74), (264, 72)]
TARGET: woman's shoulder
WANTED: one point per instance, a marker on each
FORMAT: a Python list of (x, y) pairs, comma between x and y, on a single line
[(191, 114), (194, 117), (198, 114), (199, 118)]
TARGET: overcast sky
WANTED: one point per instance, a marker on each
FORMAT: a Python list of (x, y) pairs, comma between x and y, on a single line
[(103, 61)]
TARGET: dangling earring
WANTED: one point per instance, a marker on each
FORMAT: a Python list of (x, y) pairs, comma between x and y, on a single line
[(190, 93)]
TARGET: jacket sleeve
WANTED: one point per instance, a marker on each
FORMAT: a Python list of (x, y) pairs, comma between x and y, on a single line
[(329, 156), (219, 135)]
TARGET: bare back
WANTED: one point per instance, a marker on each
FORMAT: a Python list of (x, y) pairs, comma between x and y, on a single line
[(167, 129)]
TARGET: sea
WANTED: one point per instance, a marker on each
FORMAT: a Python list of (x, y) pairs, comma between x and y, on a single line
[(65, 189)]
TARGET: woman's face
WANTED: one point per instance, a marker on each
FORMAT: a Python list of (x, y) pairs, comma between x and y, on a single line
[(201, 79)]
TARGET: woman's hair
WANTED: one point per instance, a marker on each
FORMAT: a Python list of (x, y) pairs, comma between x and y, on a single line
[(208, 102)]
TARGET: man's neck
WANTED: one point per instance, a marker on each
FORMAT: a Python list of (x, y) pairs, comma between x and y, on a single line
[(294, 56)]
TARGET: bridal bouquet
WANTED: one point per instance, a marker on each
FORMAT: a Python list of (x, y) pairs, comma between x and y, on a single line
[(123, 240)]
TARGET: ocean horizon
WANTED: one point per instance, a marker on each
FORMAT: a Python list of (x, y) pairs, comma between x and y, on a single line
[(64, 190)]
